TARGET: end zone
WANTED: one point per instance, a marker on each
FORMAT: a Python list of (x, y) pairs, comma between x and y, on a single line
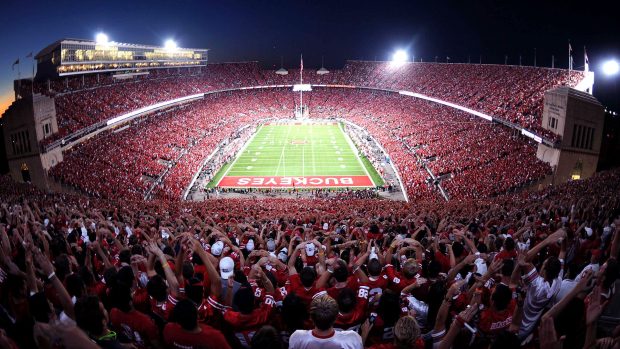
[(295, 182)]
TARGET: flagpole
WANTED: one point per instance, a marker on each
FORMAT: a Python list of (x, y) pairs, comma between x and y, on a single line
[(301, 81)]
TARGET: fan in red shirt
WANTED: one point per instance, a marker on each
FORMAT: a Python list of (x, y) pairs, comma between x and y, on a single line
[(186, 333), (388, 312), (134, 326), (249, 318), (304, 284), (398, 281), (498, 316), (406, 335), (163, 296)]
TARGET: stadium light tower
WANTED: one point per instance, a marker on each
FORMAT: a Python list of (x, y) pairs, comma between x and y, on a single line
[(400, 56), (611, 67), (101, 38), (170, 45)]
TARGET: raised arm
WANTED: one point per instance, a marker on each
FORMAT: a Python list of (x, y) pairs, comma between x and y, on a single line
[(214, 276), (48, 269), (291, 261), (173, 283), (559, 234)]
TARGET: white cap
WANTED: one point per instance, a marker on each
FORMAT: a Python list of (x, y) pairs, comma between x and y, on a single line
[(283, 255), (325, 226), (310, 249), (46, 221), (588, 231), (250, 245), (271, 245), (373, 254), (217, 248), (227, 267), (481, 266)]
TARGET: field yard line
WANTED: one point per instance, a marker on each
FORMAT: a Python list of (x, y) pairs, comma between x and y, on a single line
[(282, 152), (239, 154), (303, 160), (355, 153), (312, 148)]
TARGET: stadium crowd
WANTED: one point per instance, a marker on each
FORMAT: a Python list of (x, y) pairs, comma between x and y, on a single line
[(516, 270), (512, 93), (479, 156)]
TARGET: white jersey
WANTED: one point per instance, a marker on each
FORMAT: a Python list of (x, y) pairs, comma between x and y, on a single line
[(305, 339), (538, 296)]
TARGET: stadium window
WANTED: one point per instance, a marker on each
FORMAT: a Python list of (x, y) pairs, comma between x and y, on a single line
[(582, 145), (13, 144), (47, 129), (28, 146), (572, 141)]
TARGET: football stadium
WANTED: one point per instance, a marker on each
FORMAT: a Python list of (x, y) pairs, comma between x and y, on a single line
[(161, 196)]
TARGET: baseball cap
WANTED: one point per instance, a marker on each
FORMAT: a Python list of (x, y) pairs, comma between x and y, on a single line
[(588, 231), (481, 266), (310, 249), (250, 245), (271, 245), (283, 255), (217, 248), (227, 267), (325, 226)]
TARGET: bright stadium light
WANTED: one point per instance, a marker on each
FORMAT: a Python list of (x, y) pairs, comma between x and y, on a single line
[(170, 45), (101, 39), (400, 56), (611, 67)]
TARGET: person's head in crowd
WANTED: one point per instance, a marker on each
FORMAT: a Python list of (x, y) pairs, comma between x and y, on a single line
[(194, 290), (508, 266), (341, 271), (406, 332), (347, 300), (294, 312), (157, 288), (63, 266), (120, 298), (126, 277), (307, 276), (185, 314), (267, 337), (410, 268), (501, 297), (389, 307), (374, 268), (323, 312), (551, 268), (125, 256), (243, 300), (227, 268), (75, 285), (42, 310), (91, 316)]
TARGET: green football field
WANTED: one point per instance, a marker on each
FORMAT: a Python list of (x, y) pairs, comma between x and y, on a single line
[(298, 155)]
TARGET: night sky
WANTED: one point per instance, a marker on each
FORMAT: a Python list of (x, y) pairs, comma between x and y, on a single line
[(265, 30)]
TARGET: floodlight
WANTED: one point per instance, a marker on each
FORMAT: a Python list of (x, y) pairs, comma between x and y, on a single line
[(101, 39), (170, 45), (611, 67), (400, 56)]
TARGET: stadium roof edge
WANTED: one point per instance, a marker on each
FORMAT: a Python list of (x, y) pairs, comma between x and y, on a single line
[(457, 63), (49, 48)]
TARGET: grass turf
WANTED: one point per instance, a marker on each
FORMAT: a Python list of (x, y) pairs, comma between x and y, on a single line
[(298, 149)]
